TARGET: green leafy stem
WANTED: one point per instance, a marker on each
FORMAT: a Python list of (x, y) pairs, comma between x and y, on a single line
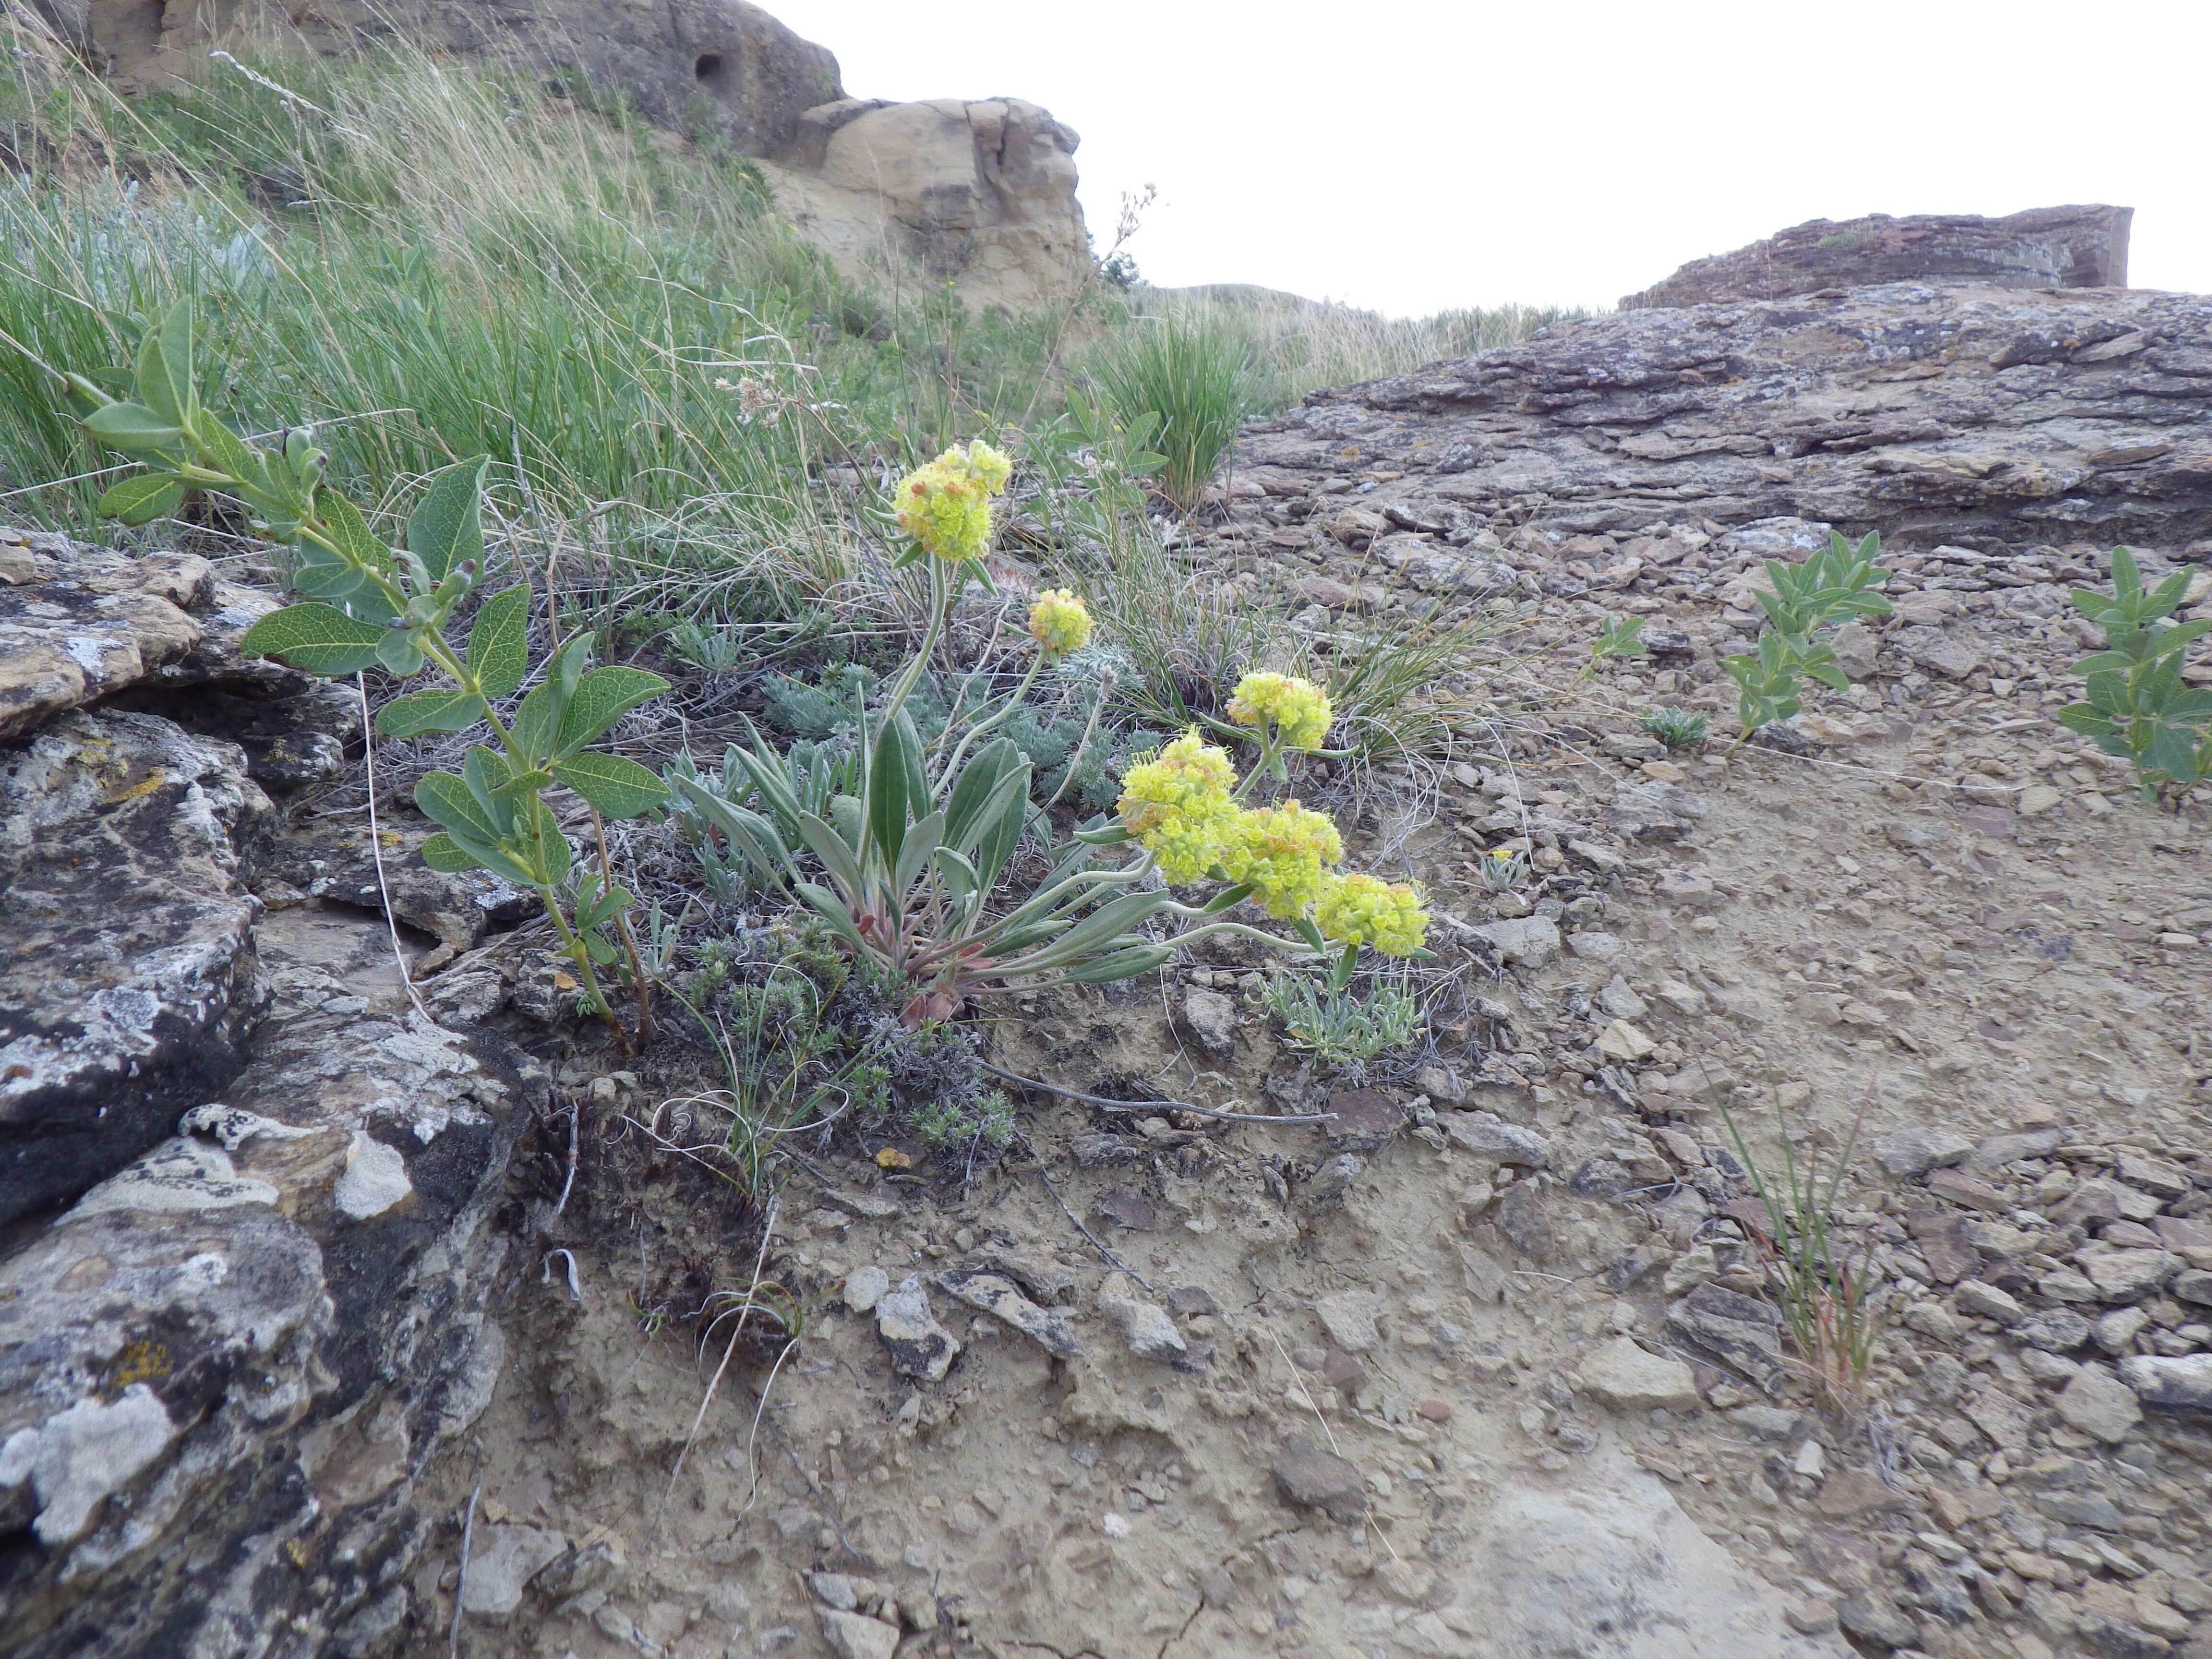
[(364, 604)]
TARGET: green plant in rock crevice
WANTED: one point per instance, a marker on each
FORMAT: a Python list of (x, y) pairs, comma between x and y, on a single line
[(1809, 601), (367, 605), (2138, 707)]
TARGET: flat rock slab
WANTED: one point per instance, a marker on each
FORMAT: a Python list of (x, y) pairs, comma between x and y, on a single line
[(1315, 1479), (1624, 1377), (996, 1295), (1742, 1333), (2182, 1385), (1616, 1570)]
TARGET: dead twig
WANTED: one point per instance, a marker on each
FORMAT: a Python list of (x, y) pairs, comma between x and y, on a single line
[(1077, 1221), (1155, 1105)]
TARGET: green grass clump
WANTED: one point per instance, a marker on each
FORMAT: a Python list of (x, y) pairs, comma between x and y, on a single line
[(1678, 728), (1186, 383)]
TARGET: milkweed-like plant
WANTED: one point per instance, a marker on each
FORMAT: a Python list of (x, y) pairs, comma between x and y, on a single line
[(404, 610)]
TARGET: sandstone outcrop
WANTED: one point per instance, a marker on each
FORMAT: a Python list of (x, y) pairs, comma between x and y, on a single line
[(979, 193), (1988, 420), (2043, 247), (722, 62)]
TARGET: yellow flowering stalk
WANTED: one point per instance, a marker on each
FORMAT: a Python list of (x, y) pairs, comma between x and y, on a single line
[(1059, 623), (1178, 807), (1283, 853), (1362, 909), (1298, 708), (946, 505)]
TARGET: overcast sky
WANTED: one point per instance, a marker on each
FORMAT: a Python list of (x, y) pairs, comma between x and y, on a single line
[(1410, 156)]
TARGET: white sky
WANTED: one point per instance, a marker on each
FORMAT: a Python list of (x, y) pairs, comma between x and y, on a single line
[(1410, 155)]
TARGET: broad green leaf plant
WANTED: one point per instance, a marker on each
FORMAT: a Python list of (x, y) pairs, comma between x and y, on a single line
[(364, 604), (911, 865), (1808, 603), (2137, 706)]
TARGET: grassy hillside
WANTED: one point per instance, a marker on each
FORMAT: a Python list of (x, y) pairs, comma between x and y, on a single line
[(432, 264)]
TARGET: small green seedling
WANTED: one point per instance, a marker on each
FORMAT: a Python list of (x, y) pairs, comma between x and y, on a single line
[(1678, 728), (1621, 636), (1808, 603)]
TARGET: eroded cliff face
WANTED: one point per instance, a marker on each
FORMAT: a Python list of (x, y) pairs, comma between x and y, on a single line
[(246, 1187), (721, 62), (979, 193)]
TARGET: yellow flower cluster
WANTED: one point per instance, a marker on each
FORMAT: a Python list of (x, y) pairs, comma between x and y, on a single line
[(1298, 708), (1359, 910), (1178, 806), (1284, 853), (1059, 623), (946, 505)]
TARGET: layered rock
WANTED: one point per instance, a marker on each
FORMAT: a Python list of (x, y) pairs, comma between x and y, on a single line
[(1972, 416), (223, 1369), (2042, 248), (261, 1313), (126, 946)]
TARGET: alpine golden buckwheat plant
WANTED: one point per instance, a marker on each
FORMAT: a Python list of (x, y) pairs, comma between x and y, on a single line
[(912, 865)]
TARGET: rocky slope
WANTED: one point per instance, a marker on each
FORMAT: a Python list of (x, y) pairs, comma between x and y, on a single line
[(1480, 1367), (1483, 1368)]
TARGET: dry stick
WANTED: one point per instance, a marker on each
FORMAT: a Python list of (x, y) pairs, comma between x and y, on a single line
[(1314, 1406), (1077, 1220), (376, 851), (1156, 1105), (461, 1578), (638, 980), (575, 1116)]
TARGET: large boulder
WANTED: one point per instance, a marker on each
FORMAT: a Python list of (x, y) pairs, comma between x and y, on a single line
[(2043, 247), (980, 192)]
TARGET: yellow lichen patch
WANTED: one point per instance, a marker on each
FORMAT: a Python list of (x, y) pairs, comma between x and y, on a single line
[(139, 1362), (145, 786)]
